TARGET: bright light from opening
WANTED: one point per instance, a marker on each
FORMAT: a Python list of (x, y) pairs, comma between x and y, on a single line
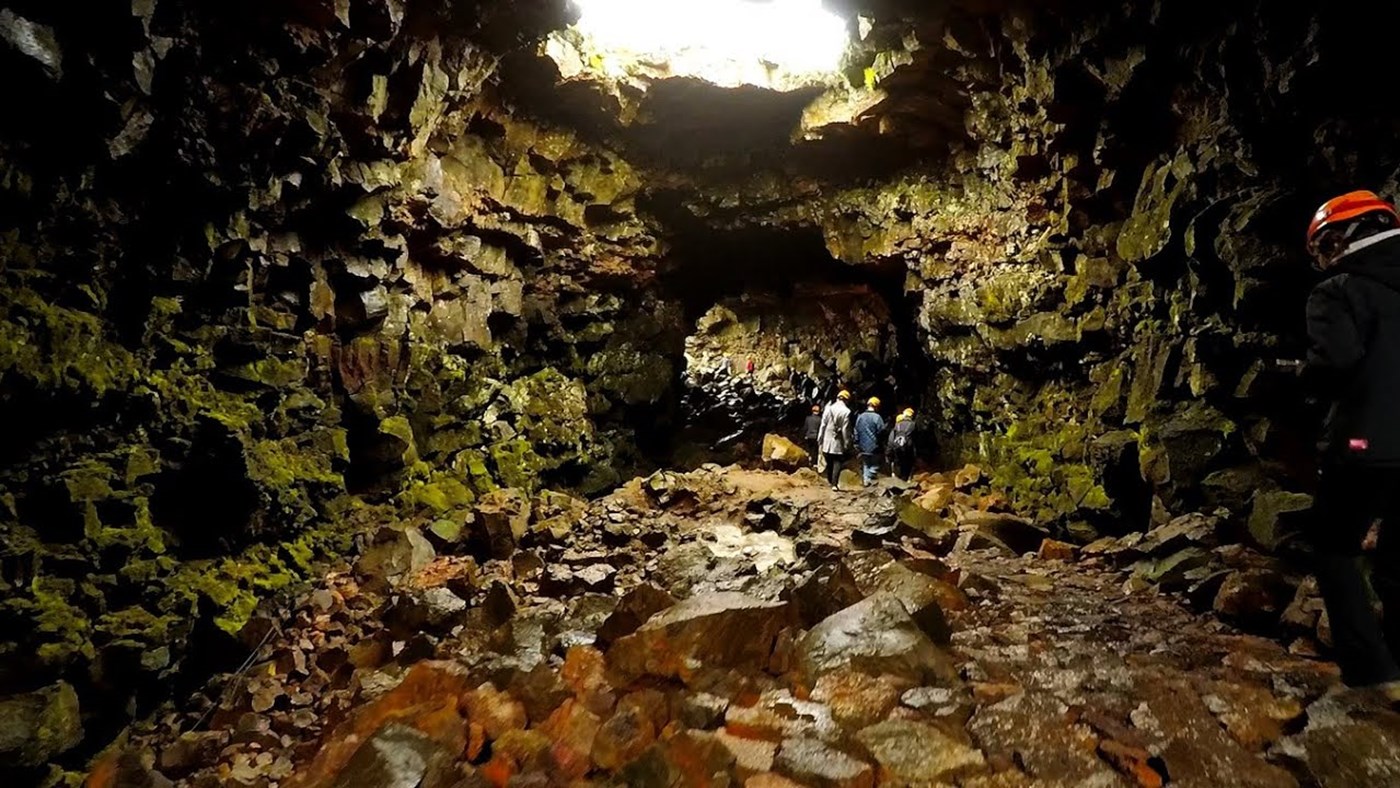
[(728, 42)]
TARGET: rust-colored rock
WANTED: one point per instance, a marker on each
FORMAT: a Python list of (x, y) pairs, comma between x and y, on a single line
[(858, 700), (722, 630), (690, 759), (624, 737), (494, 712), (572, 730), (1132, 762), (1053, 550), (770, 780), (584, 671), (427, 701)]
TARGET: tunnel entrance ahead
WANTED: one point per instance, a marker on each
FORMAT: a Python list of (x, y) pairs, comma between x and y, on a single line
[(778, 325)]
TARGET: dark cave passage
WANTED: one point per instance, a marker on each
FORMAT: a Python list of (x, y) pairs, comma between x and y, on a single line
[(810, 324)]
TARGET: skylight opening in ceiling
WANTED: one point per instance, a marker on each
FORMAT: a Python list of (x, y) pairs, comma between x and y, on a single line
[(769, 43)]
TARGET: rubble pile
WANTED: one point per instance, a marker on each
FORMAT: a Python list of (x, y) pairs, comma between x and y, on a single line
[(733, 627)]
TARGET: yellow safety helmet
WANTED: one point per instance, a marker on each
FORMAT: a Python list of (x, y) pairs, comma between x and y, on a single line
[(900, 418), (874, 402), (844, 394), (908, 413)]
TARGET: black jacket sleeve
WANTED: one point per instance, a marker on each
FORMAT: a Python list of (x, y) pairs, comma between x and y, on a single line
[(1335, 340)]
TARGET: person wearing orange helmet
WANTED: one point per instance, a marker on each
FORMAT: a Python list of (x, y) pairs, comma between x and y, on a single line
[(1353, 365)]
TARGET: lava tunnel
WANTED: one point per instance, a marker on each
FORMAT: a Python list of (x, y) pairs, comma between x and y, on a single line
[(809, 324), (414, 392)]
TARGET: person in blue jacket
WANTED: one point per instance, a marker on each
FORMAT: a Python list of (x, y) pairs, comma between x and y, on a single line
[(870, 425)]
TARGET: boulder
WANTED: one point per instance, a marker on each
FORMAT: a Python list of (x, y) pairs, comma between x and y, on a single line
[(1052, 550), (922, 520), (633, 610), (434, 610), (556, 514), (624, 737), (501, 519), (399, 756), (394, 552), (968, 476), (1306, 608), (38, 726), (1253, 597), (720, 630), (1018, 534), (1274, 514), (876, 636), (857, 699), (751, 756), (915, 753), (688, 758), (815, 763), (936, 498), (779, 452), (921, 595), (1189, 530), (1171, 571), (829, 589)]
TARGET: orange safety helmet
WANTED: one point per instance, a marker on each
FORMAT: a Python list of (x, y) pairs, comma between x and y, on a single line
[(1348, 206)]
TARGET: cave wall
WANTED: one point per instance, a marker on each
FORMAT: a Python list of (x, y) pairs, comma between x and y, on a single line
[(272, 275)]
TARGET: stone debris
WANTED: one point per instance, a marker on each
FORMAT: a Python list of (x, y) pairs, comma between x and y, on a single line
[(906, 662)]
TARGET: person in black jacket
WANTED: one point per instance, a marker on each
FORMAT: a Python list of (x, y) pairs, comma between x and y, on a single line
[(899, 447), (1353, 364), (811, 430)]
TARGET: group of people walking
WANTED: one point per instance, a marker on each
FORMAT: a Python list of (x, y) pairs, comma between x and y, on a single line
[(833, 433)]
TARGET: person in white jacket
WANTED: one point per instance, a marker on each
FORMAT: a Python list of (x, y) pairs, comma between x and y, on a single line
[(834, 437)]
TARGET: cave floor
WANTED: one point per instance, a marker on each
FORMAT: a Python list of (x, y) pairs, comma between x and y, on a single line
[(531, 669)]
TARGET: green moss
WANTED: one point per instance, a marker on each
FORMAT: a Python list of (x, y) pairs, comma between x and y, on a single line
[(89, 480), (437, 495), (271, 372), (62, 629), (58, 348), (288, 472), (141, 461), (516, 463)]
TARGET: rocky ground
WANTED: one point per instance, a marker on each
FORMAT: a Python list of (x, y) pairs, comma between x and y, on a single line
[(740, 627)]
